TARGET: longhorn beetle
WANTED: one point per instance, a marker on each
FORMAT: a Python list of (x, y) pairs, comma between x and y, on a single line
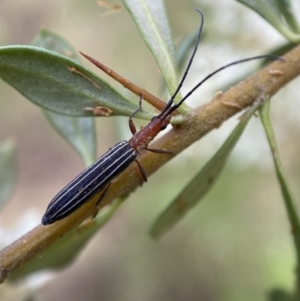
[(99, 175)]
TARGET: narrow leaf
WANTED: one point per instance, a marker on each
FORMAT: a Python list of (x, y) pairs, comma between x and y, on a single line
[(279, 294), (202, 182), (282, 179), (51, 41), (7, 170), (58, 83), (152, 22), (286, 9), (269, 10), (78, 132), (184, 48)]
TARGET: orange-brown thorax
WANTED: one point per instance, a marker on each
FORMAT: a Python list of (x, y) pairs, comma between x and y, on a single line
[(142, 138)]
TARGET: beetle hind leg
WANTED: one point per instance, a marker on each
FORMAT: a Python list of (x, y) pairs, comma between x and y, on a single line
[(101, 197)]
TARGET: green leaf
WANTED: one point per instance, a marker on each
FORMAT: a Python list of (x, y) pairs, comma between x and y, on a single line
[(202, 182), (290, 202), (183, 53), (152, 22), (184, 48), (7, 169), (58, 83), (78, 132), (64, 251), (272, 13), (286, 9), (51, 41), (279, 294)]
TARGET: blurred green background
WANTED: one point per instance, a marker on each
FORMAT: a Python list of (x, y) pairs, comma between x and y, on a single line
[(236, 245)]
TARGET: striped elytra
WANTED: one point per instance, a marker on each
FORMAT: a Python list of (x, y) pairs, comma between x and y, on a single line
[(92, 180)]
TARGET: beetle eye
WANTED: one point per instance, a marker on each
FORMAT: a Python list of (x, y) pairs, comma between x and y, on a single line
[(163, 127), (153, 118)]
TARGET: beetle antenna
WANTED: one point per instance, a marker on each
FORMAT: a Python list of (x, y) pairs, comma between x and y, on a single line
[(170, 102), (266, 56)]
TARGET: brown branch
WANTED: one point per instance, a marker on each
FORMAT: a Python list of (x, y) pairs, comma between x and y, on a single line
[(198, 123)]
